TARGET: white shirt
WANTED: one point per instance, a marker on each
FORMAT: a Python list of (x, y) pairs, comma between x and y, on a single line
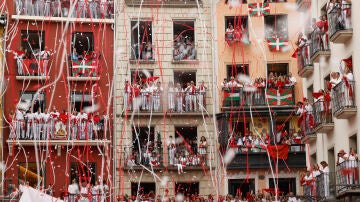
[(349, 76), (308, 108), (46, 117), (19, 115), (292, 80), (73, 188), (38, 116), (84, 190), (232, 84)]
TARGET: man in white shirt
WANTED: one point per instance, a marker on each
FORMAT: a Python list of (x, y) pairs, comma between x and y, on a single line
[(54, 115), (232, 83), (29, 116), (82, 120), (19, 124), (46, 125), (38, 123), (292, 79), (335, 79)]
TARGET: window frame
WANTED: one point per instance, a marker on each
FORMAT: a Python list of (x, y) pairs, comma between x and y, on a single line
[(177, 77), (134, 42), (77, 94), (91, 42), (275, 21), (33, 101), (27, 45)]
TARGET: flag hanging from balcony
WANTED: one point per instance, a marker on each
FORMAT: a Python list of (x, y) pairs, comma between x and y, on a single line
[(230, 96), (84, 67), (259, 9), (278, 151), (280, 96), (277, 44)]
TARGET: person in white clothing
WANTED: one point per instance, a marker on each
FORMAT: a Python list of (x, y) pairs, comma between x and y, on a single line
[(191, 101), (38, 124), (73, 190), (74, 125), (201, 97), (232, 83), (325, 170), (54, 115), (171, 97), (335, 79), (46, 125), (292, 79), (29, 116), (82, 118), (172, 150), (19, 124), (179, 97), (157, 96), (352, 165), (84, 192)]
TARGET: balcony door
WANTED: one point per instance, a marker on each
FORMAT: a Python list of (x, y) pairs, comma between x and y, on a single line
[(241, 186)]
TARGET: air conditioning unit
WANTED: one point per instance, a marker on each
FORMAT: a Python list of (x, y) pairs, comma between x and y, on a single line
[(3, 19)]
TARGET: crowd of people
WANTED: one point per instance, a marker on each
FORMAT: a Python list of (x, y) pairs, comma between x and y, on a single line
[(182, 153), (28, 125), (60, 8), (151, 96), (237, 34), (86, 192), (184, 48), (38, 61), (316, 181)]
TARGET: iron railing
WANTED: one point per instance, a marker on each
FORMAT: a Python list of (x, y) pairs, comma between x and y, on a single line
[(61, 8), (322, 113), (347, 175), (343, 96), (236, 97), (170, 101), (32, 67), (319, 41), (303, 57), (339, 18)]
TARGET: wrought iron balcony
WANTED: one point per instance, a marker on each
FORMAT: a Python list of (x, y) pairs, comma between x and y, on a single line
[(319, 45), (322, 116), (347, 179), (340, 27), (237, 97), (343, 100), (93, 10), (306, 121), (164, 3), (32, 69), (248, 158), (305, 66)]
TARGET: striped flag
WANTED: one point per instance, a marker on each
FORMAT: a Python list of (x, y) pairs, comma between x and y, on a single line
[(228, 96), (280, 97), (258, 9), (277, 44)]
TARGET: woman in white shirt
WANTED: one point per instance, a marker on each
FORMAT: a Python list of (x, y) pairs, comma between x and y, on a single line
[(325, 170)]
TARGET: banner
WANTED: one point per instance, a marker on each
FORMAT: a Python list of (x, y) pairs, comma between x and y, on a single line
[(31, 66), (278, 151), (277, 44), (282, 96), (259, 9), (84, 68), (30, 194)]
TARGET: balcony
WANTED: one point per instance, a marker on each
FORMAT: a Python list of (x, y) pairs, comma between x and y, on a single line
[(305, 67), (188, 56), (247, 158), (87, 69), (32, 69), (55, 132), (306, 121), (237, 36), (59, 11), (347, 180), (171, 103), (343, 100), (319, 46), (322, 117), (322, 189), (303, 5), (234, 98), (164, 3), (340, 27)]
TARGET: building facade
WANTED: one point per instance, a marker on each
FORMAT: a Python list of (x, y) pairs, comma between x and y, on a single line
[(330, 68), (57, 99), (255, 45), (164, 99)]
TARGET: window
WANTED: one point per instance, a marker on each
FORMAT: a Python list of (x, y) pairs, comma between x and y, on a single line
[(184, 38), (278, 69), (234, 70), (83, 172), (143, 189), (239, 128), (184, 77), (32, 42), (285, 185), (241, 186), (276, 26), (187, 189), (236, 29), (80, 100), (144, 143), (28, 173), (140, 75), (188, 135), (83, 42), (141, 40), (37, 102)]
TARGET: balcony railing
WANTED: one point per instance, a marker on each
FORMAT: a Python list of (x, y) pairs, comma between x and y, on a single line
[(343, 97), (305, 66), (85, 67), (56, 129), (238, 36), (319, 44), (164, 3), (32, 67), (236, 97), (61, 8), (306, 121), (322, 113), (185, 56), (321, 188), (339, 20), (347, 176), (176, 102), (259, 158)]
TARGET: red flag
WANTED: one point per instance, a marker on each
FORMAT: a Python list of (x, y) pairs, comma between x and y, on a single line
[(278, 151), (294, 55), (317, 95), (348, 62)]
